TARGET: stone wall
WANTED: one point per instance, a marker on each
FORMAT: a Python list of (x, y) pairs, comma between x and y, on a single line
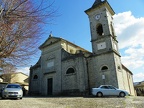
[(77, 82), (128, 82), (101, 77)]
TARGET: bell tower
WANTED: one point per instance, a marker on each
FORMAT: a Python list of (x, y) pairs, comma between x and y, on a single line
[(106, 62), (103, 36)]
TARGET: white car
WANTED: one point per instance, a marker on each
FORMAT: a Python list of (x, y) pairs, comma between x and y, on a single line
[(12, 91), (108, 90)]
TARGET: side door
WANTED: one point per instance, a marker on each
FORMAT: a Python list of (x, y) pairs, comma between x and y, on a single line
[(113, 91), (105, 90)]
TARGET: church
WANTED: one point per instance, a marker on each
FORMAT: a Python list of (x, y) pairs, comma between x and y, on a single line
[(67, 69)]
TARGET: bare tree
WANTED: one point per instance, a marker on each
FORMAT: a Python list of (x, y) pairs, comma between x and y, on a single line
[(20, 25), (8, 71)]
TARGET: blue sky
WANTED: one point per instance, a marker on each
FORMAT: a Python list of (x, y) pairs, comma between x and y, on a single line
[(72, 24)]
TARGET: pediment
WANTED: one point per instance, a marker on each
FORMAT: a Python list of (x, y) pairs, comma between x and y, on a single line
[(50, 41)]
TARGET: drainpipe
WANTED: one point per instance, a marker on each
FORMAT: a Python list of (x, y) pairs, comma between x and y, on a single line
[(61, 68), (89, 90)]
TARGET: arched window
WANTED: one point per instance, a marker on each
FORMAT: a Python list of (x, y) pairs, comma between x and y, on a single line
[(99, 30), (35, 77), (70, 71), (104, 68)]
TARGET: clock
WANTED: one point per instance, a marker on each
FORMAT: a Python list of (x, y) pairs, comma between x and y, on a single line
[(97, 17)]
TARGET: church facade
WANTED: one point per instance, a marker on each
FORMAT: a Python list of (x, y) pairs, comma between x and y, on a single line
[(65, 68)]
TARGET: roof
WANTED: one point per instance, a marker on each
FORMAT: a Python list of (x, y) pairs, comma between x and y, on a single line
[(37, 65), (98, 3), (13, 73), (127, 69), (57, 39), (50, 37)]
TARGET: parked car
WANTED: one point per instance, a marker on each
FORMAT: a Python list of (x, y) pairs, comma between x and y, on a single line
[(108, 90), (12, 91)]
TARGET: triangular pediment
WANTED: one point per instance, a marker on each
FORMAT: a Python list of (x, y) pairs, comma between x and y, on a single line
[(50, 41)]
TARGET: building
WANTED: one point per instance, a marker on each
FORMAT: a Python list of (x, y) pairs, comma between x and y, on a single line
[(16, 77), (139, 87), (65, 68)]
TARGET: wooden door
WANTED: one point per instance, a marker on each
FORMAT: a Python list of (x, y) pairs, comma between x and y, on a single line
[(49, 86)]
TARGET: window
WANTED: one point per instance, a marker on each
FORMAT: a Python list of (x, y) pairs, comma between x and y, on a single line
[(99, 30), (70, 71), (119, 67), (13, 86), (112, 29), (111, 87), (35, 77), (104, 68), (104, 87)]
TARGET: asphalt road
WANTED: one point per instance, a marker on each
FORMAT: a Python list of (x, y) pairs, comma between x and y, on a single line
[(73, 102)]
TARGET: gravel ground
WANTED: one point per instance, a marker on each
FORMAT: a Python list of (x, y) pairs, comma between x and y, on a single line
[(73, 102)]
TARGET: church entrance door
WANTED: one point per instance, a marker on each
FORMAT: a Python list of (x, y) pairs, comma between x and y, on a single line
[(49, 86)]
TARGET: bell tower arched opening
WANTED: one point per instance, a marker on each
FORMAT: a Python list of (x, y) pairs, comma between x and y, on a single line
[(99, 29)]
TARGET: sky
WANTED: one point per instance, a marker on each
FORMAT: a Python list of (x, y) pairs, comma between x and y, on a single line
[(72, 24)]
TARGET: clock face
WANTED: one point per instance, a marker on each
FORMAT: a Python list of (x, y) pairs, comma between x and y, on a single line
[(97, 17)]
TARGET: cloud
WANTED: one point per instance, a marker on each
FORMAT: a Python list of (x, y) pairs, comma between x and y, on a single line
[(139, 77), (130, 33), (129, 29), (24, 70), (134, 57)]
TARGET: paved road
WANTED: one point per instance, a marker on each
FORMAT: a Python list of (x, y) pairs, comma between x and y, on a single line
[(73, 102)]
